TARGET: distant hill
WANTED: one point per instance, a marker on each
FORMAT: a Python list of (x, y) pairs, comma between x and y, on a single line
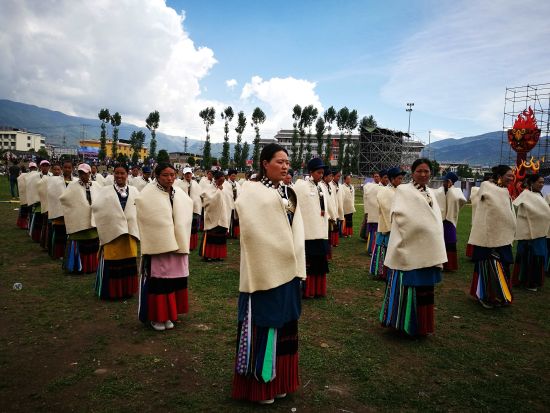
[(55, 125), (483, 150)]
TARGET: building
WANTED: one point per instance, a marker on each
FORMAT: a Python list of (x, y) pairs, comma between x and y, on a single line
[(14, 139), (181, 159), (411, 151), (90, 148)]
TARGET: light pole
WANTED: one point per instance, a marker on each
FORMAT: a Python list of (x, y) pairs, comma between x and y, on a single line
[(409, 109), (429, 144)]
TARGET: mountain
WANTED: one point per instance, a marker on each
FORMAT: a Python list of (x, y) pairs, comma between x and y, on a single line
[(482, 150), (56, 126)]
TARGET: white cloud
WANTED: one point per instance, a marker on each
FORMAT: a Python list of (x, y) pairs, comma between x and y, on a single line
[(132, 56), (231, 83), (277, 97), (460, 63)]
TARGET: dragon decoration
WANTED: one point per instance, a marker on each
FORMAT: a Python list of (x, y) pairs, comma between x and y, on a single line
[(523, 137)]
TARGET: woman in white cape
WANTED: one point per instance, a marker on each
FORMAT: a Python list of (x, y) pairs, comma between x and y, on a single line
[(272, 267), (115, 217), (415, 255), (164, 214)]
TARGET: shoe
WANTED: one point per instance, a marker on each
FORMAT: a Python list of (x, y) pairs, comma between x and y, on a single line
[(485, 305), (168, 325), (270, 401), (158, 326), (535, 289), (280, 396)]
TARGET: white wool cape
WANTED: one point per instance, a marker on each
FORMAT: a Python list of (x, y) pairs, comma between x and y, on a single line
[(385, 202), (32, 179), (315, 225), (205, 183), (163, 228), (110, 220), (494, 223), (22, 188), (416, 239), (474, 199), (533, 216), (56, 187), (139, 183), (348, 196), (338, 201), (194, 193), (450, 203), (43, 193), (331, 205), (272, 252), (217, 208), (370, 200), (76, 210), (99, 179), (228, 188)]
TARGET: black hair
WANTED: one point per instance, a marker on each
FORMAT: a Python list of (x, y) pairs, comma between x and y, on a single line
[(532, 178), (346, 175), (232, 171), (121, 165), (162, 166), (217, 174), (500, 170), (268, 152), (419, 162)]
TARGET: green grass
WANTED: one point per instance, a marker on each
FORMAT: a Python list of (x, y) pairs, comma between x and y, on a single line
[(57, 336)]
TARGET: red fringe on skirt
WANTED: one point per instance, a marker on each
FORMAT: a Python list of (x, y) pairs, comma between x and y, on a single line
[(89, 262), (123, 287), (452, 261), (469, 250), (22, 223), (315, 286), (194, 241), (214, 251), (286, 381), (347, 231), (164, 307), (334, 239)]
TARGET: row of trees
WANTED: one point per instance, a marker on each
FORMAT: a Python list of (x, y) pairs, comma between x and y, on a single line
[(301, 146), (137, 138)]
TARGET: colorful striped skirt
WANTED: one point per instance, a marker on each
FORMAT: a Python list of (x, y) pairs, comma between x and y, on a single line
[(372, 229), (267, 361), (194, 241), (348, 228), (117, 272), (529, 266), (334, 237), (162, 299), (81, 252), (377, 260), (234, 229), (491, 279), (214, 244), (58, 238), (449, 235), (315, 285), (35, 225), (408, 306), (45, 234), (23, 216)]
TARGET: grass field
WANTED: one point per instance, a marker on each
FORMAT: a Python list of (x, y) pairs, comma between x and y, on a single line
[(61, 349)]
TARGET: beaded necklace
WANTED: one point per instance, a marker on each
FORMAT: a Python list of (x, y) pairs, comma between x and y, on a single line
[(288, 201), (170, 191), (424, 191)]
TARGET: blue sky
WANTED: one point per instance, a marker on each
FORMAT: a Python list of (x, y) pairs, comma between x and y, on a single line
[(453, 59)]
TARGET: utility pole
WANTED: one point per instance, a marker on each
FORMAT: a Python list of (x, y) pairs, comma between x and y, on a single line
[(429, 144), (409, 109)]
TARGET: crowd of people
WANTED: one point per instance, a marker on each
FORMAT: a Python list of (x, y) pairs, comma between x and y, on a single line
[(136, 228)]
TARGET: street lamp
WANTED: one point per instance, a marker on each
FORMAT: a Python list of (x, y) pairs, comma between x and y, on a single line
[(409, 109)]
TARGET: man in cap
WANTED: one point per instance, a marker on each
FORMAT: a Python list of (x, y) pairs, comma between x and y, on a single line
[(450, 200), (313, 201), (143, 180)]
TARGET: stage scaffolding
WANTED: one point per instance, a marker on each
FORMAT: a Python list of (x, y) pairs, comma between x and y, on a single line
[(516, 100), (379, 149)]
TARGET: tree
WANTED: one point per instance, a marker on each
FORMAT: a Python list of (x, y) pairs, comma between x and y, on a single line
[(351, 125), (258, 117), (116, 120), (208, 116), (237, 152), (105, 118), (367, 122), (121, 158), (137, 139), (309, 114), (43, 153), (435, 167), (319, 132), (341, 123), (227, 115), (464, 171), (163, 156), (354, 159), (244, 155), (329, 117), (152, 123), (191, 161), (295, 162)]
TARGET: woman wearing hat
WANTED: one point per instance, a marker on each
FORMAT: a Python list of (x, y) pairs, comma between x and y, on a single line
[(266, 364), (348, 197), (385, 198), (415, 255), (533, 226), (233, 190), (193, 190), (164, 215), (115, 217), (450, 200), (313, 203), (82, 240), (217, 214), (492, 235)]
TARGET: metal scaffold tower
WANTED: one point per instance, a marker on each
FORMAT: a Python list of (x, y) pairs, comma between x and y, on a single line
[(516, 100), (379, 149)]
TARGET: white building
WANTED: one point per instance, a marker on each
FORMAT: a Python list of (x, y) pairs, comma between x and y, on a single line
[(20, 140)]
